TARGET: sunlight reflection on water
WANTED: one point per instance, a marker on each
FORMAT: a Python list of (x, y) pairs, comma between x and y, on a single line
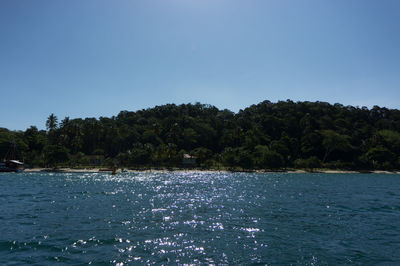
[(197, 217)]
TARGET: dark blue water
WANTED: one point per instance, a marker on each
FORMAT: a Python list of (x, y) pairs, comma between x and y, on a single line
[(181, 218)]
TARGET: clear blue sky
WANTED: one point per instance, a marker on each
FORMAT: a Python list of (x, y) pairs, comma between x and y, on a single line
[(95, 58)]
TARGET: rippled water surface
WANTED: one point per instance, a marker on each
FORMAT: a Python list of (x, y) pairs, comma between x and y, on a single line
[(186, 217)]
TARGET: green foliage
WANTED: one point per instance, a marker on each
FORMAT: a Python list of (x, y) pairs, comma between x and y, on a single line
[(309, 163), (55, 154), (6, 138), (51, 122), (390, 139), (79, 159), (140, 154), (204, 156), (264, 136), (381, 157), (265, 158), (333, 141)]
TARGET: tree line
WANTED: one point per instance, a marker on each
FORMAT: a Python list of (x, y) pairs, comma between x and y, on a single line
[(267, 135)]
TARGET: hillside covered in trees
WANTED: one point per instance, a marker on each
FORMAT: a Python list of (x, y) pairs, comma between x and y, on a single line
[(268, 135)]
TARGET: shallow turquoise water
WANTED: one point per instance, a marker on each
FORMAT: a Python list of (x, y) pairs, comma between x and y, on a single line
[(178, 218)]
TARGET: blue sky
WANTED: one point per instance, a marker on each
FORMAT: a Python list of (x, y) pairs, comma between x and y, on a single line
[(95, 58)]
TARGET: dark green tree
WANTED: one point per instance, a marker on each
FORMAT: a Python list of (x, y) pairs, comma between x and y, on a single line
[(51, 122)]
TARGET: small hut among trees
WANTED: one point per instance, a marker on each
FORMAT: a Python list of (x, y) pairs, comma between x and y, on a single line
[(188, 160)]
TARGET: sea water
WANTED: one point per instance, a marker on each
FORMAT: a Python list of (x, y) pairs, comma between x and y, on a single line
[(199, 217)]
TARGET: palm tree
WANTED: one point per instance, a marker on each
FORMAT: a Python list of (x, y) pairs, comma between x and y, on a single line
[(51, 123)]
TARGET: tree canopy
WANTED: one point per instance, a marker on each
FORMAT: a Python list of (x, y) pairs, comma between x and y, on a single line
[(263, 136)]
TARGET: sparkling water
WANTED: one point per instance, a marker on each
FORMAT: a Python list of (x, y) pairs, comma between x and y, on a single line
[(199, 217)]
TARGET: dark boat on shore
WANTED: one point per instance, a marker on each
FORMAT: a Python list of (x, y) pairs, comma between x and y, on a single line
[(11, 164)]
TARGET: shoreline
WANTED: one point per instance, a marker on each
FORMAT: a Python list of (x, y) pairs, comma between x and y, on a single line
[(288, 171)]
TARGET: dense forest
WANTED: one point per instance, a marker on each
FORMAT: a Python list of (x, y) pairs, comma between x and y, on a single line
[(268, 135)]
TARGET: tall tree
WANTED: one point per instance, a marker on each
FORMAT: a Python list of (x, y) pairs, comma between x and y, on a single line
[(52, 123)]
